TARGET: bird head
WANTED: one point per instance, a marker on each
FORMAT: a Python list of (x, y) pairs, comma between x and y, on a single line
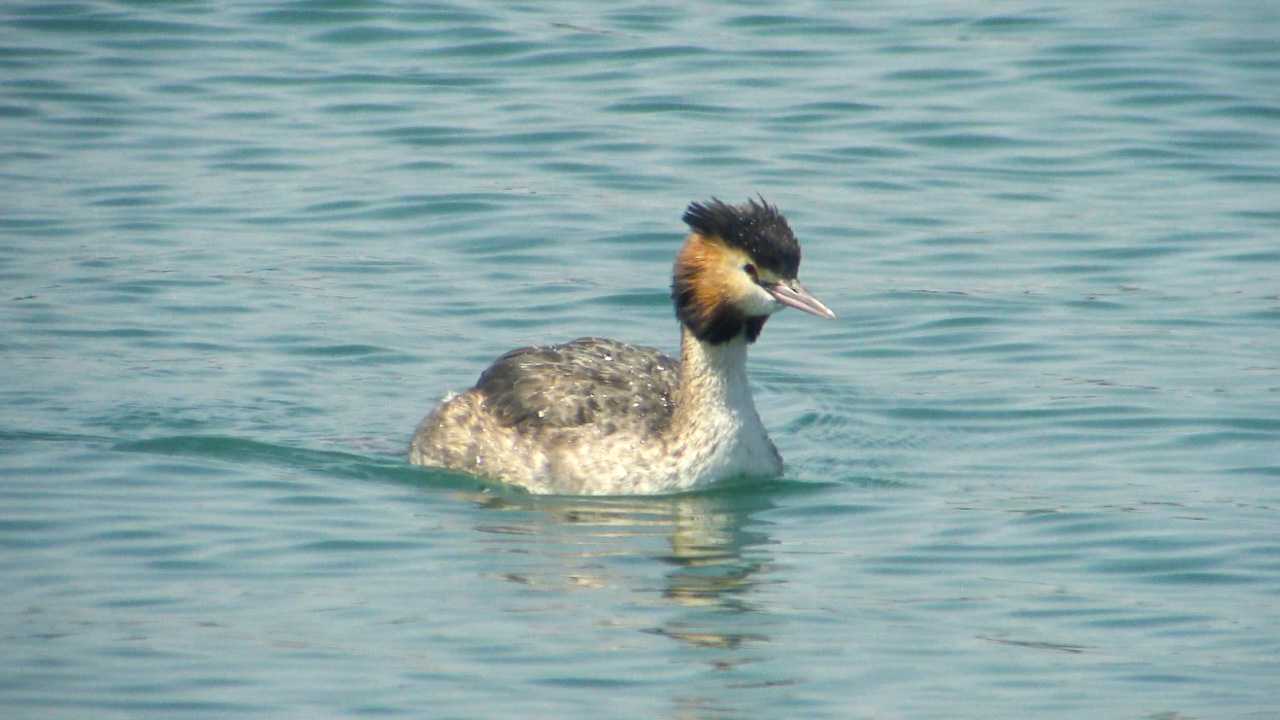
[(737, 268)]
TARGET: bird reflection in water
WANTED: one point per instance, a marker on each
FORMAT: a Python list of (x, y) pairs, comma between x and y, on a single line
[(716, 552)]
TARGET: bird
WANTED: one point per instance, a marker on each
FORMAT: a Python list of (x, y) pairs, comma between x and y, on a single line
[(596, 416)]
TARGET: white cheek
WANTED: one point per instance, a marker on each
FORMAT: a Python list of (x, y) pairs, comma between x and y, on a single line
[(760, 302)]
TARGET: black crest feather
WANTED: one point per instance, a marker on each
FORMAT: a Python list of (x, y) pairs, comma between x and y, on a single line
[(756, 227)]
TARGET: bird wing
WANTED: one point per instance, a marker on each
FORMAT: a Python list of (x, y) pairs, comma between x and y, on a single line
[(586, 381)]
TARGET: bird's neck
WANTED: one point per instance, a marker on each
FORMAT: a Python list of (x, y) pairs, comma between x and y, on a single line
[(713, 381)]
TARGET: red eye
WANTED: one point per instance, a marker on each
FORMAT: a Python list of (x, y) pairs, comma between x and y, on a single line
[(751, 270)]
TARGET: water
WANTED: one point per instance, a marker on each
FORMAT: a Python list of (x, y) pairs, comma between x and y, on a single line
[(1033, 470)]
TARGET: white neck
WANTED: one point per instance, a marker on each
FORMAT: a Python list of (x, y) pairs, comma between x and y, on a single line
[(713, 381), (716, 430)]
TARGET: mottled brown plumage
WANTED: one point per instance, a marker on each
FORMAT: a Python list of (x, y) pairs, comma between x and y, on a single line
[(586, 381)]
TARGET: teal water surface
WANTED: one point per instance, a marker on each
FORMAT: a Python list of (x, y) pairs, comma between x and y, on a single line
[(1033, 469)]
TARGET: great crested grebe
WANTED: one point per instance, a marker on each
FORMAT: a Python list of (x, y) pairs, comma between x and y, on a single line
[(601, 417)]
